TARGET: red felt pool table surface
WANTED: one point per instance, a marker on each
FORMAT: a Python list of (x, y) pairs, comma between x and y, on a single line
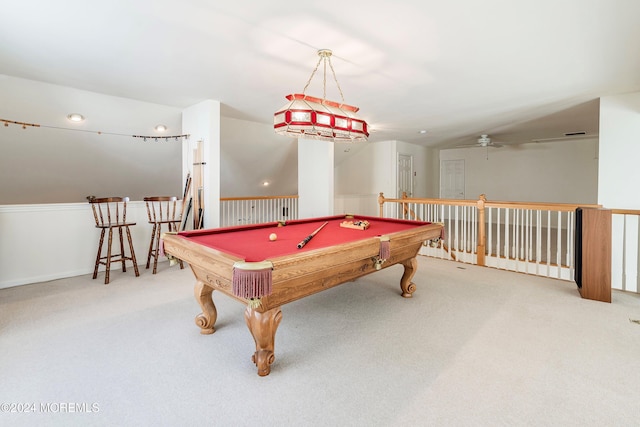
[(251, 243)]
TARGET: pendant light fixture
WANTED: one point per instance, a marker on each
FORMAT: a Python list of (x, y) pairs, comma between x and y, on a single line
[(306, 116)]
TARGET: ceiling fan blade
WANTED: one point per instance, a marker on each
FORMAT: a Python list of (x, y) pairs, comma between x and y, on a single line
[(565, 138)]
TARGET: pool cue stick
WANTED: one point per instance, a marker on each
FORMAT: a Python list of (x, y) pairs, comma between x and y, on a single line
[(187, 185), (310, 236), (185, 202), (187, 212), (200, 220)]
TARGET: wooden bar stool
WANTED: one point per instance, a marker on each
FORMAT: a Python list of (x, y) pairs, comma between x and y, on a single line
[(111, 213), (161, 210)]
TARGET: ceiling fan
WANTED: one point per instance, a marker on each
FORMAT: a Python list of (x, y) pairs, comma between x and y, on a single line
[(483, 141)]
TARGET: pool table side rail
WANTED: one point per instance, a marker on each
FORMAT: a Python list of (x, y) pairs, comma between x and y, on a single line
[(307, 272), (325, 268), (216, 261)]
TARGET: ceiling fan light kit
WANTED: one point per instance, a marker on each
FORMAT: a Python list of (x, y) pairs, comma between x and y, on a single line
[(483, 141)]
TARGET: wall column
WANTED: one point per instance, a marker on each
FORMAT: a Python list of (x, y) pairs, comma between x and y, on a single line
[(315, 178), (202, 123), (618, 175)]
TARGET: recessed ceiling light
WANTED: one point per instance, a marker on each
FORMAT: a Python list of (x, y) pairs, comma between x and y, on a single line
[(423, 131), (75, 117), (265, 184), (161, 128)]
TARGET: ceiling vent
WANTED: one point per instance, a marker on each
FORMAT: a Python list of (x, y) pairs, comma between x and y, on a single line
[(575, 133)]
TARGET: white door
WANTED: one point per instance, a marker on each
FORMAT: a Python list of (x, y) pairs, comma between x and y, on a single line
[(405, 175), (452, 179)]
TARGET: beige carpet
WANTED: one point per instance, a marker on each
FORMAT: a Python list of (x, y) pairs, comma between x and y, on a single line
[(475, 346)]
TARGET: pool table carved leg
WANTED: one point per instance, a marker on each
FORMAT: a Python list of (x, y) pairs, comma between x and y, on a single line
[(407, 286), (263, 327), (207, 319)]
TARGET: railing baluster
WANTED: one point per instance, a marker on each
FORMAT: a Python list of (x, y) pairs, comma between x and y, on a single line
[(498, 235), (570, 260), (516, 235), (507, 253), (490, 233), (450, 234), (538, 240), (559, 242), (457, 228), (528, 242), (463, 235)]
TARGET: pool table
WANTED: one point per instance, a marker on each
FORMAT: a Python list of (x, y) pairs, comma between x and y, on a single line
[(265, 273)]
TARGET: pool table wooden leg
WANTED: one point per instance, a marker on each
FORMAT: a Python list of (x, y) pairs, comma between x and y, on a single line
[(207, 319), (263, 327), (407, 286)]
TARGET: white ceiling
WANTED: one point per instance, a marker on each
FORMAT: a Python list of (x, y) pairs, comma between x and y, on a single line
[(516, 70)]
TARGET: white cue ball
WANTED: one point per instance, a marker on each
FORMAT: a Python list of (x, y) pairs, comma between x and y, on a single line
[(273, 236)]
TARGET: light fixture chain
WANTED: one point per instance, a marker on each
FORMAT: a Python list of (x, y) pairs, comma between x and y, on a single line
[(336, 79), (304, 91), (324, 78)]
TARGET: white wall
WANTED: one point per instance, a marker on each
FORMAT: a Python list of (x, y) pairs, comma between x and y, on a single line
[(62, 162), (253, 153), (316, 180), (355, 171), (557, 172), (423, 174), (619, 173), (360, 175), (372, 169)]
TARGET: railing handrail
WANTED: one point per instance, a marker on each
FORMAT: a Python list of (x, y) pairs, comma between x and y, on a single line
[(457, 202), (625, 211), (563, 207), (235, 199), (548, 206)]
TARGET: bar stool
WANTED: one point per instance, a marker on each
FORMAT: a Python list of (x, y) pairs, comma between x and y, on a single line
[(111, 213), (161, 210)]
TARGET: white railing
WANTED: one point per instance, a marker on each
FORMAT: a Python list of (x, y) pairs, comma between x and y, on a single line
[(532, 238), (255, 210)]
